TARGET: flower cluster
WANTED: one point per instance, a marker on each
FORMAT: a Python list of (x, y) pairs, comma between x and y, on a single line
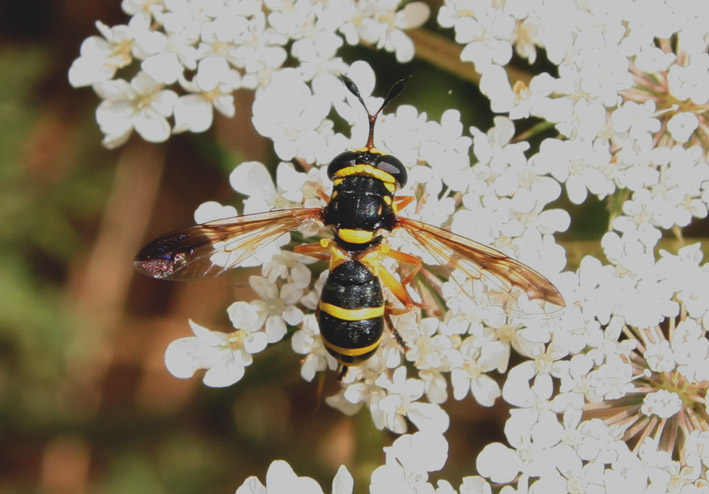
[(612, 395), (408, 462), (185, 59), (473, 340), (608, 394)]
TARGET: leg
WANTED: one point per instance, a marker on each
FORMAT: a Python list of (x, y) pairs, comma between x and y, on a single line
[(316, 250), (401, 202), (397, 336), (323, 195), (325, 250), (404, 258), (398, 289), (372, 260), (343, 372)]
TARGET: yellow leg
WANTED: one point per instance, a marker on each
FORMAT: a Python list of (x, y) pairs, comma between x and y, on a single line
[(398, 289)]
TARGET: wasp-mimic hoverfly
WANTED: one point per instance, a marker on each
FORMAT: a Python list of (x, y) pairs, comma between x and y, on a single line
[(361, 210)]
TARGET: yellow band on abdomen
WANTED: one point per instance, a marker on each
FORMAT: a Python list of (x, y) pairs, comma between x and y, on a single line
[(351, 314), (352, 352)]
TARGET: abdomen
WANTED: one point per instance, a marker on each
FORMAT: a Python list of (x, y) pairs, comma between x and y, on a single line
[(351, 314)]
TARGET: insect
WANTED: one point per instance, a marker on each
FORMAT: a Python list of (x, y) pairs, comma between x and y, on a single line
[(361, 210)]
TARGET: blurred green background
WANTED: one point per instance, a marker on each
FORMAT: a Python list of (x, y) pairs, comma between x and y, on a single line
[(86, 405)]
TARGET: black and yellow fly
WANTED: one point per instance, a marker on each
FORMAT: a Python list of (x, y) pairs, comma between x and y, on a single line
[(361, 210)]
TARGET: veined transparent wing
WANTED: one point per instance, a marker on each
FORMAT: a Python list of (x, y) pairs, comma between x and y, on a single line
[(504, 279), (210, 249)]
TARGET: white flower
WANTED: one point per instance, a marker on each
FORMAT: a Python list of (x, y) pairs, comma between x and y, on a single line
[(213, 84), (386, 28), (690, 82), (533, 398), (142, 7), (659, 356), (318, 62), (252, 179), (407, 452), (535, 439), (408, 462), (445, 149), (379, 23), (477, 485), (162, 64), (498, 463), (690, 349), (583, 166), (292, 188), (307, 341), (212, 210), (290, 18), (342, 483), (288, 112), (613, 379), (181, 16), (224, 355), (290, 267), (485, 31), (400, 402), (429, 350), (257, 50), (639, 120), (101, 57), (501, 162), (472, 376), (665, 474), (662, 403), (281, 479), (142, 105), (277, 307), (359, 388), (687, 278)]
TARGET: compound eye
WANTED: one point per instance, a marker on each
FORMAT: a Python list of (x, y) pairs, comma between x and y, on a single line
[(342, 160), (394, 167)]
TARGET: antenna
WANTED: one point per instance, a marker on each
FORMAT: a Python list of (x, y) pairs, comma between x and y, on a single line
[(393, 93)]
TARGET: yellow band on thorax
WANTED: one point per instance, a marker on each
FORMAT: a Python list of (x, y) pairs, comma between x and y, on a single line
[(364, 170), (351, 314), (355, 236)]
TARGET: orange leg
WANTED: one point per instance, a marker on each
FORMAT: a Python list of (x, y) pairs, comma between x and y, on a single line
[(402, 257), (316, 250), (401, 202), (398, 289), (322, 193), (326, 250)]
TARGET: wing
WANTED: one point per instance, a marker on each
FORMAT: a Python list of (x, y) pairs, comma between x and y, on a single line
[(208, 250), (502, 276)]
